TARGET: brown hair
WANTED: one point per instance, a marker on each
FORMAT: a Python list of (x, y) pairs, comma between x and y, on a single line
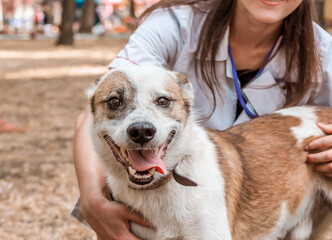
[(301, 53)]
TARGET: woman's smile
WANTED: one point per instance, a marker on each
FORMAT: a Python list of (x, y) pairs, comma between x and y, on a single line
[(272, 2), (267, 11)]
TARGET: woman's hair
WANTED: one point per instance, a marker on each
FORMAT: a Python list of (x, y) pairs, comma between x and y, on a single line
[(301, 53)]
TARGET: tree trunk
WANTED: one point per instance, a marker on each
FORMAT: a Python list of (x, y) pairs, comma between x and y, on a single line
[(1, 17), (319, 4), (88, 16), (66, 27), (132, 8)]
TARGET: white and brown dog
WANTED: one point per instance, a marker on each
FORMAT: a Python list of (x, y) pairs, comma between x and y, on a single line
[(248, 182)]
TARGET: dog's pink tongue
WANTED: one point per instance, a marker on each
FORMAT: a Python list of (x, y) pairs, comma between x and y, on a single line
[(145, 160)]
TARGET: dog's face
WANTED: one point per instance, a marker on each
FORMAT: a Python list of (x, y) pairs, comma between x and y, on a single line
[(137, 112)]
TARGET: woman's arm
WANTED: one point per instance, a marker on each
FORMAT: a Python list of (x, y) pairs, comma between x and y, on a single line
[(109, 219), (323, 159)]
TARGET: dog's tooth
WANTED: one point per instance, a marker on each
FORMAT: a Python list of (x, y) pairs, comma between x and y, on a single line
[(123, 152), (141, 177), (152, 171), (137, 176), (131, 171)]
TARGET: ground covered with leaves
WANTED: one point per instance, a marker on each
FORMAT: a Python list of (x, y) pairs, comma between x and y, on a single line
[(42, 90)]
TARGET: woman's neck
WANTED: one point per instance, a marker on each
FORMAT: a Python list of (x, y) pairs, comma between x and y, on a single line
[(251, 40), (249, 32)]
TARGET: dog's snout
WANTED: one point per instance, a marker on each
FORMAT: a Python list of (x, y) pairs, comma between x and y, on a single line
[(141, 132)]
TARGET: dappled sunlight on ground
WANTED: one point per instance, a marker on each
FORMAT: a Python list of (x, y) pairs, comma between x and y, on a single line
[(61, 53), (55, 72)]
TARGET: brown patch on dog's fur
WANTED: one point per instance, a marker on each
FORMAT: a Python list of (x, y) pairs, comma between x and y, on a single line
[(111, 82), (180, 109), (92, 104), (115, 83), (182, 80), (249, 176), (232, 170), (324, 115)]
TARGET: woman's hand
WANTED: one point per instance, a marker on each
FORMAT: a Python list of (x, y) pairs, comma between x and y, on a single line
[(109, 219), (323, 159)]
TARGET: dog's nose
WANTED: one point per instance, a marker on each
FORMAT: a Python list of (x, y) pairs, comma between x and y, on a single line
[(141, 132)]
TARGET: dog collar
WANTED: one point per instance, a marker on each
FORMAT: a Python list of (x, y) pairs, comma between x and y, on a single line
[(184, 181)]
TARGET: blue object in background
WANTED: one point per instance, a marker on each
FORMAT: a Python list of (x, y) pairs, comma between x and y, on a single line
[(79, 3)]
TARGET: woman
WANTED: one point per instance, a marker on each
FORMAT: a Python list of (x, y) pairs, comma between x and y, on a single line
[(274, 37)]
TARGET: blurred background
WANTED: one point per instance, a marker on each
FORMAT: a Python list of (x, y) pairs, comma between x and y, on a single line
[(43, 17), (50, 52)]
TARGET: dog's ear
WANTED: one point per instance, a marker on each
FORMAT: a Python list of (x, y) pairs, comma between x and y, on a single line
[(92, 104), (92, 90), (186, 87), (91, 94)]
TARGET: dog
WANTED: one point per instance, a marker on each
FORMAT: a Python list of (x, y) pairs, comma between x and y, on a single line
[(248, 182)]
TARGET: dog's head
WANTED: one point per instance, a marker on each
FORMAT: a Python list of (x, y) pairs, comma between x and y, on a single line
[(137, 112)]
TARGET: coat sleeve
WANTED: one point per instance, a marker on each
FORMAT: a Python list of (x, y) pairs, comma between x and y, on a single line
[(325, 95), (155, 42)]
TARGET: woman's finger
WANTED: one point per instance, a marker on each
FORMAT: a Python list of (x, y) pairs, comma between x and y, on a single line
[(327, 128), (325, 169), (322, 142), (321, 157)]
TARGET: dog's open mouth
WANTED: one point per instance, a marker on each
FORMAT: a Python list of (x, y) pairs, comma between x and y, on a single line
[(141, 164)]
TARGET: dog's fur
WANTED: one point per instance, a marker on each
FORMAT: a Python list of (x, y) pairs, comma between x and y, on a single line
[(253, 179)]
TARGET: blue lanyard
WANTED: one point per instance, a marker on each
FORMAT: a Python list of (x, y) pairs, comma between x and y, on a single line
[(237, 82)]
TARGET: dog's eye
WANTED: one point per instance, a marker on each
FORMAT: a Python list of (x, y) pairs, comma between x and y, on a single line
[(114, 103), (163, 102)]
